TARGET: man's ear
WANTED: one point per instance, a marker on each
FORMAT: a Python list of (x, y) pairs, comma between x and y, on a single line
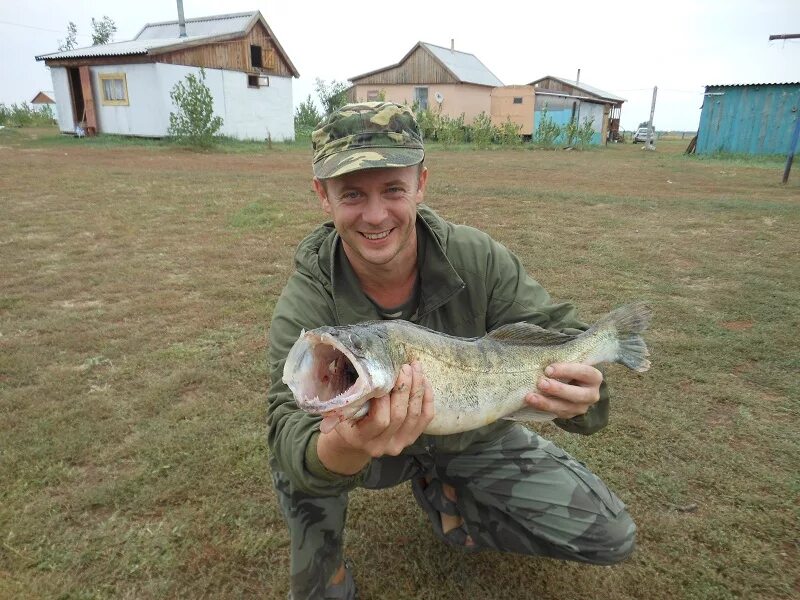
[(421, 183), (322, 194)]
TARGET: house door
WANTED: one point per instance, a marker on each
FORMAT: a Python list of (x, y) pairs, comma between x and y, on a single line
[(76, 93)]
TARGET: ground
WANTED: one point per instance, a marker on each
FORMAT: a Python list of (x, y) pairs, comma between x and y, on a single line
[(138, 283)]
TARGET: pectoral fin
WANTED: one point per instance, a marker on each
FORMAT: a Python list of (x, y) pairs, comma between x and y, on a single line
[(529, 413)]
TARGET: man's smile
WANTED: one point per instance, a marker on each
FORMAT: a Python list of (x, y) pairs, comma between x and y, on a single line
[(376, 236)]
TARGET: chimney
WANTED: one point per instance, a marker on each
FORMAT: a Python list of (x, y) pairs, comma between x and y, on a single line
[(181, 20), (452, 44), (578, 80)]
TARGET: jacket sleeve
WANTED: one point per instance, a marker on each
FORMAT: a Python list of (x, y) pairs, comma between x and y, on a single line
[(292, 432), (515, 296)]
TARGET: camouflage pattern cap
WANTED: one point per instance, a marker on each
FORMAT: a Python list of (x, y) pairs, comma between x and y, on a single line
[(366, 135)]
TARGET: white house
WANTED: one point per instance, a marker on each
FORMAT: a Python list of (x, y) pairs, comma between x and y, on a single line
[(124, 87)]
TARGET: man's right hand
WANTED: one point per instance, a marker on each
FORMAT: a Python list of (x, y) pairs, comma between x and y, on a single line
[(394, 421)]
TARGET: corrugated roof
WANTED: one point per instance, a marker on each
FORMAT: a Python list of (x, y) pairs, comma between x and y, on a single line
[(463, 65), (586, 88), (117, 48), (155, 38), (201, 26), (749, 84)]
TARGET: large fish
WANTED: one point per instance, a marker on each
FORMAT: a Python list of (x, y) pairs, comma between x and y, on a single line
[(335, 371)]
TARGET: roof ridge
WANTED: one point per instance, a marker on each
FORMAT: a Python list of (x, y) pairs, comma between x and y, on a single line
[(449, 49), (207, 18)]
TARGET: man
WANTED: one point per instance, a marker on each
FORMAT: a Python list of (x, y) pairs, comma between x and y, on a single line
[(386, 255)]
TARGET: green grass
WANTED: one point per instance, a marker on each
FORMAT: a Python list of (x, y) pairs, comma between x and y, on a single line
[(138, 284)]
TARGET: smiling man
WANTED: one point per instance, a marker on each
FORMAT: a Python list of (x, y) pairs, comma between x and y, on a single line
[(386, 255)]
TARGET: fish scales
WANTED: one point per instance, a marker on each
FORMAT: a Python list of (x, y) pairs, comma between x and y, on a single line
[(475, 381)]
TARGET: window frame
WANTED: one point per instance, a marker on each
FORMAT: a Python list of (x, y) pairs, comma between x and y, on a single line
[(103, 77)]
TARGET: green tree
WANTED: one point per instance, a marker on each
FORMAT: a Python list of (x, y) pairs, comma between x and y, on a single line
[(71, 40), (331, 95), (103, 30), (306, 118), (194, 124)]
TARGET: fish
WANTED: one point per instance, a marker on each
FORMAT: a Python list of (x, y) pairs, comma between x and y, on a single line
[(334, 371)]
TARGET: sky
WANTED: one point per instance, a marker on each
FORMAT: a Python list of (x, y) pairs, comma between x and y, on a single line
[(625, 47)]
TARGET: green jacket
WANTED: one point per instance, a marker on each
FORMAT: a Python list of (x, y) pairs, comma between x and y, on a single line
[(470, 284)]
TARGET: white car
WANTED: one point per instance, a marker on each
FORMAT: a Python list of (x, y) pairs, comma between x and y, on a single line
[(641, 135)]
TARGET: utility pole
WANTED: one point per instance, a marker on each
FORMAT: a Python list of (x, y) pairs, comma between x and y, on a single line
[(785, 36), (650, 132), (796, 132)]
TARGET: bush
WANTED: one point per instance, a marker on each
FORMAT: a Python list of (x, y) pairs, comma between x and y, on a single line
[(482, 131), (306, 118), (508, 133), (21, 115), (547, 131), (586, 131), (194, 124)]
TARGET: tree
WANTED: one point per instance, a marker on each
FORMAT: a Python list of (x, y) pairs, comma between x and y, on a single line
[(332, 96), (71, 40), (306, 117), (103, 30), (194, 124)]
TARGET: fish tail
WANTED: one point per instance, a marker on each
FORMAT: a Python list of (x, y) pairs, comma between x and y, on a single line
[(627, 322)]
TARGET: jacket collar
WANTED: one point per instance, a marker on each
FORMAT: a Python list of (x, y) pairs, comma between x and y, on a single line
[(439, 281)]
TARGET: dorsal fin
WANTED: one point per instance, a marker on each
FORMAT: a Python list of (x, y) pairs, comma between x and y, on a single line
[(527, 333)]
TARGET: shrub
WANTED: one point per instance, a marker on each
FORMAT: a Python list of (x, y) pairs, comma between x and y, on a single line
[(306, 118), (586, 131), (547, 131), (508, 133), (20, 115), (482, 131), (570, 131), (194, 124)]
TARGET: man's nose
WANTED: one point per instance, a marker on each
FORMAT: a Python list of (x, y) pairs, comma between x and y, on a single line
[(375, 209)]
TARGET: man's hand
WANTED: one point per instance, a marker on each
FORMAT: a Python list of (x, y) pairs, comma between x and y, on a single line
[(393, 422), (567, 390)]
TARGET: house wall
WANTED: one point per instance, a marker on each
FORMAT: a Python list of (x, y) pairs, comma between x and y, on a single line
[(503, 107), (247, 113), (419, 68), (560, 110), (458, 98), (749, 119), (60, 77), (233, 55)]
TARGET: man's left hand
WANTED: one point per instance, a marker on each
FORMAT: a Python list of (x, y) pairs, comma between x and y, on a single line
[(566, 390)]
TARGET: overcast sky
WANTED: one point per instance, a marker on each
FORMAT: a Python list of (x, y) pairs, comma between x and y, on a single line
[(624, 47)]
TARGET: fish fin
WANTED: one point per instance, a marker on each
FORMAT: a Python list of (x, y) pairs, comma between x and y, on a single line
[(628, 322), (527, 333), (528, 413)]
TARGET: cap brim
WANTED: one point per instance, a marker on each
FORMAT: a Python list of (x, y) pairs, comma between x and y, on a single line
[(357, 159)]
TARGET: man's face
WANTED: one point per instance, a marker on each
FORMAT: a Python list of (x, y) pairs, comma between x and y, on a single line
[(374, 211)]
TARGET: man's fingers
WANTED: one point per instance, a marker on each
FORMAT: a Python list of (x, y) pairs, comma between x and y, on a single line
[(578, 394), (577, 372), (563, 409)]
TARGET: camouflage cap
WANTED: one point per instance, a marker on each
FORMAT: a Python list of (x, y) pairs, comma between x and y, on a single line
[(366, 135)]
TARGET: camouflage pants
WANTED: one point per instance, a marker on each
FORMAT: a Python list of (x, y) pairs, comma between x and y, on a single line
[(519, 493)]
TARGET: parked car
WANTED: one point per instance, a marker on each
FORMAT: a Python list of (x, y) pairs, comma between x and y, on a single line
[(641, 135)]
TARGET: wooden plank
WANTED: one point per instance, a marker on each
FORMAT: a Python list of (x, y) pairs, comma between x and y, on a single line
[(89, 115)]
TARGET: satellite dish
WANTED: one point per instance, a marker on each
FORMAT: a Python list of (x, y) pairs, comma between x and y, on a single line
[(439, 98)]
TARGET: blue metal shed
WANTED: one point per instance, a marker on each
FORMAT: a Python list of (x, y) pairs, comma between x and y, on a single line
[(756, 118)]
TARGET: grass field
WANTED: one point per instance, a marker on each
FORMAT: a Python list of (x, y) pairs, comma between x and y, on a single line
[(137, 282)]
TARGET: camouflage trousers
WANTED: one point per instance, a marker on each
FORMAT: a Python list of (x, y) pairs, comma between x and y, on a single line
[(518, 493)]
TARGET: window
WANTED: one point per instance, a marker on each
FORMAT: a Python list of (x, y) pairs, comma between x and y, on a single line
[(373, 95), (517, 99), (255, 56), (257, 81), (114, 89), (421, 97)]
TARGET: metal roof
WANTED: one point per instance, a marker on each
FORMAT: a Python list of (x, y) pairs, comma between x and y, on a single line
[(118, 48), (155, 38), (582, 86), (466, 67), (201, 26), (751, 84)]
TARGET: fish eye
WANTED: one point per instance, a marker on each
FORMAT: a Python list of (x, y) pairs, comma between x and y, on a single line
[(358, 343)]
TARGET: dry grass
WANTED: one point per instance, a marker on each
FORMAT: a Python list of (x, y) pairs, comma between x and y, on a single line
[(137, 286)]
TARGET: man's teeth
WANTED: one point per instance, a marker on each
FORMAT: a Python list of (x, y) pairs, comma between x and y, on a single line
[(376, 236)]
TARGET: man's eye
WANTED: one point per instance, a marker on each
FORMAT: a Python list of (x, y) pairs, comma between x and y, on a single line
[(350, 196)]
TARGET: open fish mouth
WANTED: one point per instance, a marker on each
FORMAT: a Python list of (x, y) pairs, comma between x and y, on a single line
[(326, 377)]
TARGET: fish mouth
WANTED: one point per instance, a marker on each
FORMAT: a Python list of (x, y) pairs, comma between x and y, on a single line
[(326, 377)]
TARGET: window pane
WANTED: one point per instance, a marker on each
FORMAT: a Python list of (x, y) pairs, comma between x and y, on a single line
[(107, 89), (119, 89)]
